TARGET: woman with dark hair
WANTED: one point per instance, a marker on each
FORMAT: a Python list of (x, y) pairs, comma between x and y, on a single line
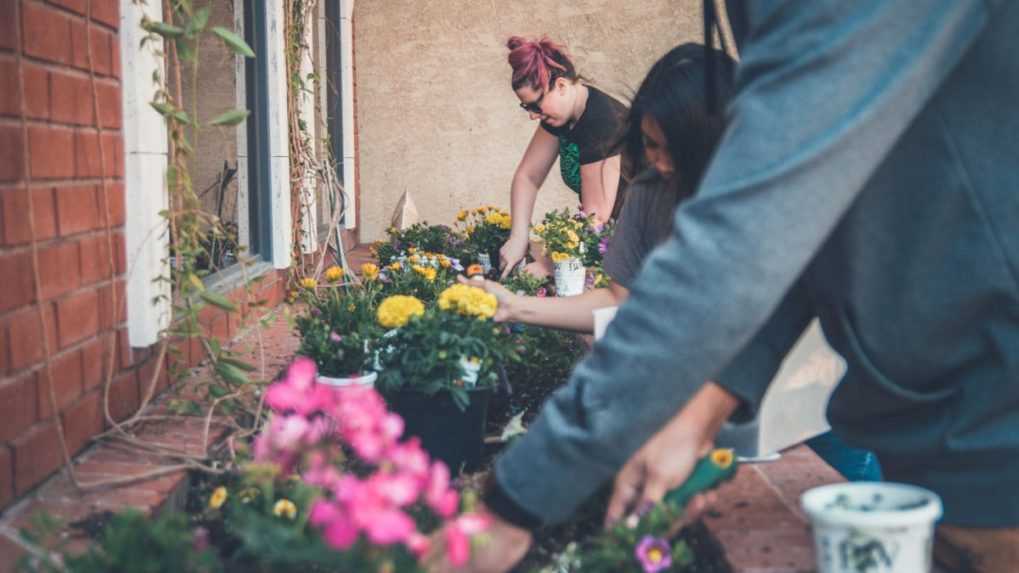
[(578, 123), (670, 128)]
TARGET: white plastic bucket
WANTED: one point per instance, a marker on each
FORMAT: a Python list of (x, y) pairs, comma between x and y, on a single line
[(367, 379), (569, 277), (872, 527)]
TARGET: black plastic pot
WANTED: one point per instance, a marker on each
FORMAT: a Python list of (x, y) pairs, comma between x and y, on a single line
[(447, 433)]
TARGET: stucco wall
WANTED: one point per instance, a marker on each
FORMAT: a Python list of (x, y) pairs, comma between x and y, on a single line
[(435, 112)]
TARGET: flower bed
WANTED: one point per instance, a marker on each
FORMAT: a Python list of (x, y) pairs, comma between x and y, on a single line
[(331, 482)]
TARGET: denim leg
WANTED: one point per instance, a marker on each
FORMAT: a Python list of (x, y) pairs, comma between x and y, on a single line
[(855, 464)]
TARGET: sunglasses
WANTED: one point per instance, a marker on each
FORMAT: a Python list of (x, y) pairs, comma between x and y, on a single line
[(534, 106)]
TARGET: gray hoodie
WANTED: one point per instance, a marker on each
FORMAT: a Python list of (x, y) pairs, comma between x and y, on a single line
[(867, 177)]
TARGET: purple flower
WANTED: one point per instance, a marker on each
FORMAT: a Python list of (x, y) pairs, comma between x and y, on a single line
[(654, 554), (335, 337), (603, 246), (315, 312), (456, 264), (200, 539)]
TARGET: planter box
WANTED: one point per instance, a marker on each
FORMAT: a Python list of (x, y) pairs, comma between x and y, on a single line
[(447, 433)]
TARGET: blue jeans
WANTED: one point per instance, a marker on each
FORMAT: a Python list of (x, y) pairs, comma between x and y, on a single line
[(854, 464)]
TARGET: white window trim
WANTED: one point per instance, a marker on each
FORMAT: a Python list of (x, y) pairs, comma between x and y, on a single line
[(279, 137), (146, 153), (347, 90)]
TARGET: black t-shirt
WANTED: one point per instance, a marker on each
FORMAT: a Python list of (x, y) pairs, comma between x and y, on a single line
[(592, 138)]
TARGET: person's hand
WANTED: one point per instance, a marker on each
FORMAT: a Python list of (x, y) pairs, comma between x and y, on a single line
[(511, 253), (503, 295), (540, 268), (666, 460), (499, 548)]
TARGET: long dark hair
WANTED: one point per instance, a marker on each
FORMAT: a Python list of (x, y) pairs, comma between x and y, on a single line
[(673, 94)]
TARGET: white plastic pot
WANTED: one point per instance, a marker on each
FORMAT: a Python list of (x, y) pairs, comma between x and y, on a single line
[(569, 277), (871, 527), (486, 262), (367, 379)]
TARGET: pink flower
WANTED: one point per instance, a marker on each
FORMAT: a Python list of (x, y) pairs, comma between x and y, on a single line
[(542, 292), (438, 496), (339, 531), (336, 338), (299, 392), (408, 457), (458, 534), (458, 546), (399, 490), (390, 526), (418, 544), (654, 554)]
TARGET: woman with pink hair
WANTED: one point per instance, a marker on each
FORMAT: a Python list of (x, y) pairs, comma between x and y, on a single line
[(578, 123)]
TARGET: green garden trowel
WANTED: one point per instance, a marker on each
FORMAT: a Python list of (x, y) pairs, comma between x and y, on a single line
[(713, 469)]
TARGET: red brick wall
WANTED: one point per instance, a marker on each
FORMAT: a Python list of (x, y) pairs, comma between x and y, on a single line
[(43, 45), (57, 164)]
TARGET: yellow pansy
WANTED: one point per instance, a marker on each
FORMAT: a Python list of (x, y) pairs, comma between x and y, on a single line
[(218, 497), (285, 508), (558, 257)]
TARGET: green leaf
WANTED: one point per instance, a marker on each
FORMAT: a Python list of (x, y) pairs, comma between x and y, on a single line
[(185, 49), (247, 367), (232, 117), (234, 42), (163, 29), (217, 391), (163, 108), (231, 373), (216, 299), (199, 21), (196, 282)]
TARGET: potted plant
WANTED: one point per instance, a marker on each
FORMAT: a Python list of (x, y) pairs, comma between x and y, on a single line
[(422, 274), (338, 330), (440, 365), (421, 237), (573, 242), (485, 230)]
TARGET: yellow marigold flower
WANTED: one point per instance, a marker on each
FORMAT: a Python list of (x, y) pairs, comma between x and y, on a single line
[(397, 310), (369, 271), (468, 301), (285, 508), (470, 230), (572, 236), (309, 283), (539, 229), (722, 457), (461, 216), (444, 262), (572, 245), (333, 273), (430, 274), (218, 497), (413, 259), (558, 257), (395, 266)]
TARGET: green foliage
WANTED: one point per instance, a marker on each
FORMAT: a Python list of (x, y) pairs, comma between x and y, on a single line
[(419, 236), (485, 230), (133, 543), (443, 351), (411, 276), (339, 328), (524, 283)]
